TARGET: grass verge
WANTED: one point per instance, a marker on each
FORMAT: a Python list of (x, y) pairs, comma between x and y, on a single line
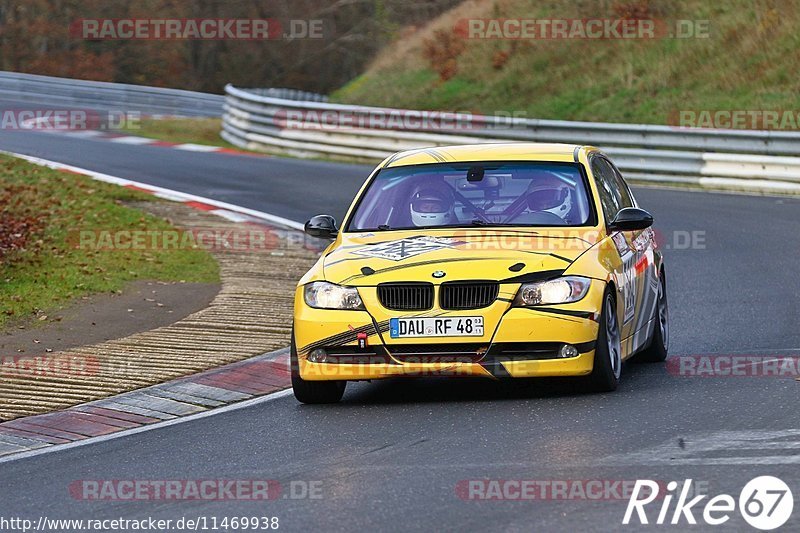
[(41, 267), (744, 61), (181, 130), (205, 131)]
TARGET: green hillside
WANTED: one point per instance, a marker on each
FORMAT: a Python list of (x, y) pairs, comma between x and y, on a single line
[(749, 61)]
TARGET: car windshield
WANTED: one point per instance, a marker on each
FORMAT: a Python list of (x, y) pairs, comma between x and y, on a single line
[(474, 194)]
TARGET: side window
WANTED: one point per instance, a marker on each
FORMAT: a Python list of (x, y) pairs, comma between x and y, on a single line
[(610, 197), (622, 187)]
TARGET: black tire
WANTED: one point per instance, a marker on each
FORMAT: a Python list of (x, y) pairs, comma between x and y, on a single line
[(607, 354), (313, 392), (657, 350)]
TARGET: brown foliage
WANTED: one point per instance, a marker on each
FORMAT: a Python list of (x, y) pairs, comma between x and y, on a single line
[(442, 51), (35, 37), (500, 58), (78, 63), (632, 9), (18, 223)]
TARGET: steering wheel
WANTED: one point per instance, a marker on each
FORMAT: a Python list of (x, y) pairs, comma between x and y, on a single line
[(544, 218)]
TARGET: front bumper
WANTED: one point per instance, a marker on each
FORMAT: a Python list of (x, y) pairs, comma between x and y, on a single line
[(575, 366), (522, 343)]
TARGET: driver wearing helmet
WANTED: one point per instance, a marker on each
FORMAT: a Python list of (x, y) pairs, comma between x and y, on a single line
[(549, 194), (433, 205)]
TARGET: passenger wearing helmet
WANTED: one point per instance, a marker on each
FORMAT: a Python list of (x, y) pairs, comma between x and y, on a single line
[(549, 194), (433, 205)]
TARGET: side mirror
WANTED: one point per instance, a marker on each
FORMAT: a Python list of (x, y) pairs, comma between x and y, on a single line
[(322, 227), (631, 219)]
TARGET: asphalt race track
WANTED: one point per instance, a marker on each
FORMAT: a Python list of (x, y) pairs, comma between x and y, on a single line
[(397, 455)]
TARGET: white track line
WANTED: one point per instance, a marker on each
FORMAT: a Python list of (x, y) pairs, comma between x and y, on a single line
[(160, 191), (131, 139), (191, 147), (82, 133)]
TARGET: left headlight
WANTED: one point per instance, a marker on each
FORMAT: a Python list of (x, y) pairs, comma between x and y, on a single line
[(324, 295), (555, 291)]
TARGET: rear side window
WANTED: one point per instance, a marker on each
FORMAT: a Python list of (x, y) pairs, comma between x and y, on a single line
[(622, 187), (607, 188)]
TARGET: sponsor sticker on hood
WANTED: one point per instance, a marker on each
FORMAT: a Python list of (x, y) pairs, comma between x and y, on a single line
[(405, 248)]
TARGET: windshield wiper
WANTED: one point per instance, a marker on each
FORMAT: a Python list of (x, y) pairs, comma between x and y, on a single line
[(384, 227), (488, 224)]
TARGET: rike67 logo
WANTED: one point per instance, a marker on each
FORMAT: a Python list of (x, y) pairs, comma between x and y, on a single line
[(765, 503)]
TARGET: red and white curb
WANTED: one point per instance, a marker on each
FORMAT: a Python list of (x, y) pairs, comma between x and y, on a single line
[(230, 211), (236, 385), (122, 138)]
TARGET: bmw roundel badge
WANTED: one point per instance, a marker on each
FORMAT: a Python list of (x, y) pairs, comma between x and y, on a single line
[(439, 274)]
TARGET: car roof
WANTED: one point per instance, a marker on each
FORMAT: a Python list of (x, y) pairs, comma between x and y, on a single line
[(507, 151)]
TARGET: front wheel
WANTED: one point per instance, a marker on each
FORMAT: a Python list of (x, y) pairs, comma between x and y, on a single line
[(313, 392), (608, 350)]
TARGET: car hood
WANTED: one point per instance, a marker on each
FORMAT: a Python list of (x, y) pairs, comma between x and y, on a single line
[(363, 259)]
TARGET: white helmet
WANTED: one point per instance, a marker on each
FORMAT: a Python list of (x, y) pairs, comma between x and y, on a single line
[(550, 195), (432, 206)]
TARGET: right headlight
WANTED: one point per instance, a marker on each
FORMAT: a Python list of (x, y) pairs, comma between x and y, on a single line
[(324, 295), (555, 291)]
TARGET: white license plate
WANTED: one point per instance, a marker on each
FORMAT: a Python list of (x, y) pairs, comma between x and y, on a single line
[(454, 326)]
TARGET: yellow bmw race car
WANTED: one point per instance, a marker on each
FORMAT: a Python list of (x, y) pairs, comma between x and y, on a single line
[(498, 260)]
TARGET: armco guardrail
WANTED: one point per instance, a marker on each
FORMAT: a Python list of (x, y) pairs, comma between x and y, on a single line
[(743, 160), (102, 95)]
